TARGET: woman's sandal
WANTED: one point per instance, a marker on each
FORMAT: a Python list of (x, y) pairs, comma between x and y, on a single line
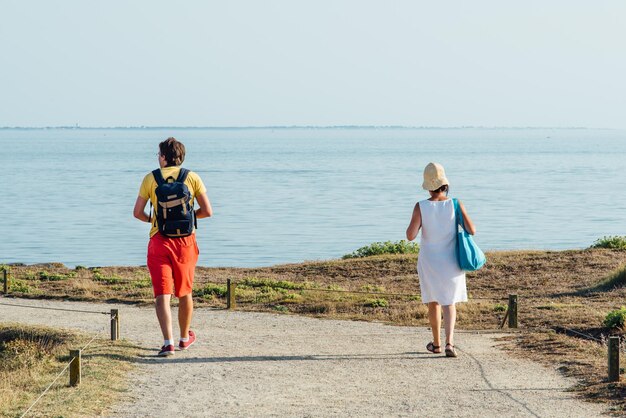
[(450, 352), (433, 348)]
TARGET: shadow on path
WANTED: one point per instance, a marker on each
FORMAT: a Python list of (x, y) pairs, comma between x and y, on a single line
[(154, 359)]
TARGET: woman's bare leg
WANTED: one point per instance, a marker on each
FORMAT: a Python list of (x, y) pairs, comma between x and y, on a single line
[(434, 316), (449, 320)]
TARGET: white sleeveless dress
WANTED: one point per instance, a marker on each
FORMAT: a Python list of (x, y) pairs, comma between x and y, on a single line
[(441, 279)]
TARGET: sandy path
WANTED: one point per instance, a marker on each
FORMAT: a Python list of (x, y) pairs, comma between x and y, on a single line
[(253, 364)]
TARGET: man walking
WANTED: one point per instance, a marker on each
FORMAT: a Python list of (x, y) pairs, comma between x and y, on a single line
[(172, 250)]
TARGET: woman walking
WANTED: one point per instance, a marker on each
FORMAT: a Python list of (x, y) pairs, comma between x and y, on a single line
[(442, 282)]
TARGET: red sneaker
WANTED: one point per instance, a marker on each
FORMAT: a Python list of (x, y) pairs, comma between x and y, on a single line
[(166, 350), (185, 345)]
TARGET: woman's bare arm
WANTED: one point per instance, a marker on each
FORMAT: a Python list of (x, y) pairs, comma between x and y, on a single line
[(469, 225), (416, 223)]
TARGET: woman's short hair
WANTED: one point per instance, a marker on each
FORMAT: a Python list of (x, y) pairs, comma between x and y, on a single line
[(442, 189), (173, 151)]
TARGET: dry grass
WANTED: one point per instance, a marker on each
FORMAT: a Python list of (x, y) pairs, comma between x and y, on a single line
[(32, 357), (573, 289)]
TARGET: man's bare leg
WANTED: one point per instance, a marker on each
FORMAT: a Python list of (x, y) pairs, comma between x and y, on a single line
[(164, 314), (185, 312)]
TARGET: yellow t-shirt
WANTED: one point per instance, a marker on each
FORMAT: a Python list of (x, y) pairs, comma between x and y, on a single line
[(149, 185)]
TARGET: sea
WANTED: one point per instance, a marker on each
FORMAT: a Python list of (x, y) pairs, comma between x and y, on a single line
[(290, 194)]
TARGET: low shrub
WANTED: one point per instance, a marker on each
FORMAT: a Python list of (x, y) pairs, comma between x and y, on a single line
[(499, 307), (54, 277), (210, 289), (270, 283), (99, 277), (372, 288), (377, 303), (387, 247), (616, 318), (614, 242), (292, 298), (19, 286), (141, 284)]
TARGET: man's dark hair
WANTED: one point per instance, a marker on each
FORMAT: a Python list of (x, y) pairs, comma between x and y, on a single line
[(173, 151)]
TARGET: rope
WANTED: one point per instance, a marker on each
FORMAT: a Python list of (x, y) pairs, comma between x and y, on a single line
[(582, 334), (72, 359), (87, 345), (358, 291), (48, 388), (364, 292), (53, 309)]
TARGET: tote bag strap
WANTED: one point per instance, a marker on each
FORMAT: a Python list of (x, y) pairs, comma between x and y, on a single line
[(458, 214)]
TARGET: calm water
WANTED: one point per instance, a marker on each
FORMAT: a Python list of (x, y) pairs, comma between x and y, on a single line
[(287, 195)]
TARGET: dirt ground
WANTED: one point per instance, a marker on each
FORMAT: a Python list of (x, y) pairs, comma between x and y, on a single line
[(262, 364)]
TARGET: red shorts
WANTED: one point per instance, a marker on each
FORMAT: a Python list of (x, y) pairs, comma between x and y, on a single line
[(172, 263)]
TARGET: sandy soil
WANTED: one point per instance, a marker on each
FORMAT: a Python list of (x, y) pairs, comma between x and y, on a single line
[(255, 364)]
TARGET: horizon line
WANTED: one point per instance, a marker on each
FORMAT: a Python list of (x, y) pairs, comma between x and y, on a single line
[(147, 127)]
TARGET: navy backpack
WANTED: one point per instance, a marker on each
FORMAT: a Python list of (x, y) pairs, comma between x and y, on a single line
[(174, 214)]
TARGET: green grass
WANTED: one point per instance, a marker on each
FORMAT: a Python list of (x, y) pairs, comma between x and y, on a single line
[(614, 242), (387, 247)]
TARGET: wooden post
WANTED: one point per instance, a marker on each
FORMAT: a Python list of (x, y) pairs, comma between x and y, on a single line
[(613, 359), (231, 302), (6, 281), (512, 311), (75, 368), (115, 324)]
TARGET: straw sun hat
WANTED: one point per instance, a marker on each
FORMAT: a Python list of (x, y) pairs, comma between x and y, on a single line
[(434, 177)]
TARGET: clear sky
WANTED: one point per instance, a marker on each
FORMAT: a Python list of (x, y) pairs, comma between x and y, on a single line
[(337, 62)]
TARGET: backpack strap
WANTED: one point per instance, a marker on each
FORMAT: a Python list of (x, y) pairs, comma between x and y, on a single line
[(158, 176), (182, 175)]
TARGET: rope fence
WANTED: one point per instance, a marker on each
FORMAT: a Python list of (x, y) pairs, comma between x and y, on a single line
[(510, 314), (74, 364)]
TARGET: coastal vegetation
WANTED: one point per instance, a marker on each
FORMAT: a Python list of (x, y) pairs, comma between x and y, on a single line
[(616, 319), (614, 242), (31, 358), (387, 247)]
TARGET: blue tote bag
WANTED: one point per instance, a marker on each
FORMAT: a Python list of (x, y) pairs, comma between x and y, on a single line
[(470, 257)]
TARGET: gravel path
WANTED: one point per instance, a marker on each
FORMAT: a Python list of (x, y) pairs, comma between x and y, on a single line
[(254, 364)]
